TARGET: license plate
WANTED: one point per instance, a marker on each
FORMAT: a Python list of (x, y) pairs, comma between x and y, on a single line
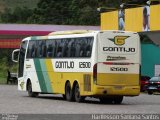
[(118, 87), (152, 88)]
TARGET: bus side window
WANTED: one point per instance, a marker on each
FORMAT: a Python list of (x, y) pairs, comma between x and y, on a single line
[(65, 48), (78, 47), (83, 48), (50, 48), (59, 48), (89, 47), (44, 50), (41, 49), (33, 49), (71, 48), (39, 55), (29, 50), (56, 49)]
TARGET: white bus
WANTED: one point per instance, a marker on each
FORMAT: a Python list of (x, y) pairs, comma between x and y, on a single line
[(76, 64)]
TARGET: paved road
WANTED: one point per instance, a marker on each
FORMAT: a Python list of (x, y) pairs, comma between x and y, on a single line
[(15, 102)]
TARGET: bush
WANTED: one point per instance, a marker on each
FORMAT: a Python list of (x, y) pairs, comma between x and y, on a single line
[(6, 64)]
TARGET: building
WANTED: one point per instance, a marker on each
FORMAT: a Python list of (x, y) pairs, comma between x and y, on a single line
[(146, 21), (12, 34)]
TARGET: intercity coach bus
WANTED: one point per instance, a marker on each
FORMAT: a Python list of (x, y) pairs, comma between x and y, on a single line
[(77, 64)]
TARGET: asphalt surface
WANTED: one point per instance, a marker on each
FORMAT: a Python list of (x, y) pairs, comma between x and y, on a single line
[(17, 102)]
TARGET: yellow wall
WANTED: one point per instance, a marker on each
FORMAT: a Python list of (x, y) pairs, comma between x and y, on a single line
[(155, 17), (133, 19), (109, 21)]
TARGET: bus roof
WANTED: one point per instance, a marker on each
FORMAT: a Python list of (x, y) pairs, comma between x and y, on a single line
[(70, 32)]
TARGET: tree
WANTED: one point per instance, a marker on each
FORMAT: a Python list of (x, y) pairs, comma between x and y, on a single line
[(18, 15), (73, 12), (6, 17), (70, 12), (84, 12), (50, 12)]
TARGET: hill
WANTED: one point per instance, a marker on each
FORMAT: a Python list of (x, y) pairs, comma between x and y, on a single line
[(12, 4)]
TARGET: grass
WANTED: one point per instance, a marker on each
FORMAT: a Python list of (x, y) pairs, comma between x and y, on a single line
[(4, 67), (3, 73), (3, 80)]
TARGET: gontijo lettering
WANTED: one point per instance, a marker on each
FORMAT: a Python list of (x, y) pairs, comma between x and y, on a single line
[(64, 64), (119, 49)]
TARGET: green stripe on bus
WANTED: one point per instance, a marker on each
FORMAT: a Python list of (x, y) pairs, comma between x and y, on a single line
[(46, 77), (40, 75), (34, 38)]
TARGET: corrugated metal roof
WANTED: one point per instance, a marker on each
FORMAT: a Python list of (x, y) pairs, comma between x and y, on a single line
[(22, 33), (10, 43), (37, 27), (11, 34), (151, 36)]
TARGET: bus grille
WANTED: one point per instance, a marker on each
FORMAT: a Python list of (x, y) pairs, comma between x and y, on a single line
[(87, 82)]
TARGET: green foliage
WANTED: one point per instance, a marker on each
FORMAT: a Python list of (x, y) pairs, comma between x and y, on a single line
[(12, 4), (19, 15), (70, 12), (6, 64)]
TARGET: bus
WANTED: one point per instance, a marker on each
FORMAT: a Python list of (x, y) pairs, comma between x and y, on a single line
[(79, 64)]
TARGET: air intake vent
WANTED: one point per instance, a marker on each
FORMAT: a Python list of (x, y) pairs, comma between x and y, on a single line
[(87, 82)]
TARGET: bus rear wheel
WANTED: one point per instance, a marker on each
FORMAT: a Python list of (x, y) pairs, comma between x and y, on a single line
[(30, 92), (68, 92), (106, 100), (118, 100), (77, 96)]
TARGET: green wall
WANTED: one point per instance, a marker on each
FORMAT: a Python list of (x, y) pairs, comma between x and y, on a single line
[(150, 57)]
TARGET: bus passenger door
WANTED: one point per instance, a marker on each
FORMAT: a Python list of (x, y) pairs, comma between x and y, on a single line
[(21, 68)]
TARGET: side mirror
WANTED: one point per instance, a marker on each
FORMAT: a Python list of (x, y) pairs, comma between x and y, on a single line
[(14, 53)]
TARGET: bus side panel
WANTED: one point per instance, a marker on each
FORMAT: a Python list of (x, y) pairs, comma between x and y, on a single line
[(77, 73), (54, 77), (30, 74), (42, 72)]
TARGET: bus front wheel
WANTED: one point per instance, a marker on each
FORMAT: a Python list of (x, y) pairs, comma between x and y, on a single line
[(30, 92)]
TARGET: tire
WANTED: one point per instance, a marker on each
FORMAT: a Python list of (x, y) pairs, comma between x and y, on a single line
[(64, 96), (30, 92), (142, 90), (77, 96), (68, 92), (106, 100), (118, 100), (150, 92)]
